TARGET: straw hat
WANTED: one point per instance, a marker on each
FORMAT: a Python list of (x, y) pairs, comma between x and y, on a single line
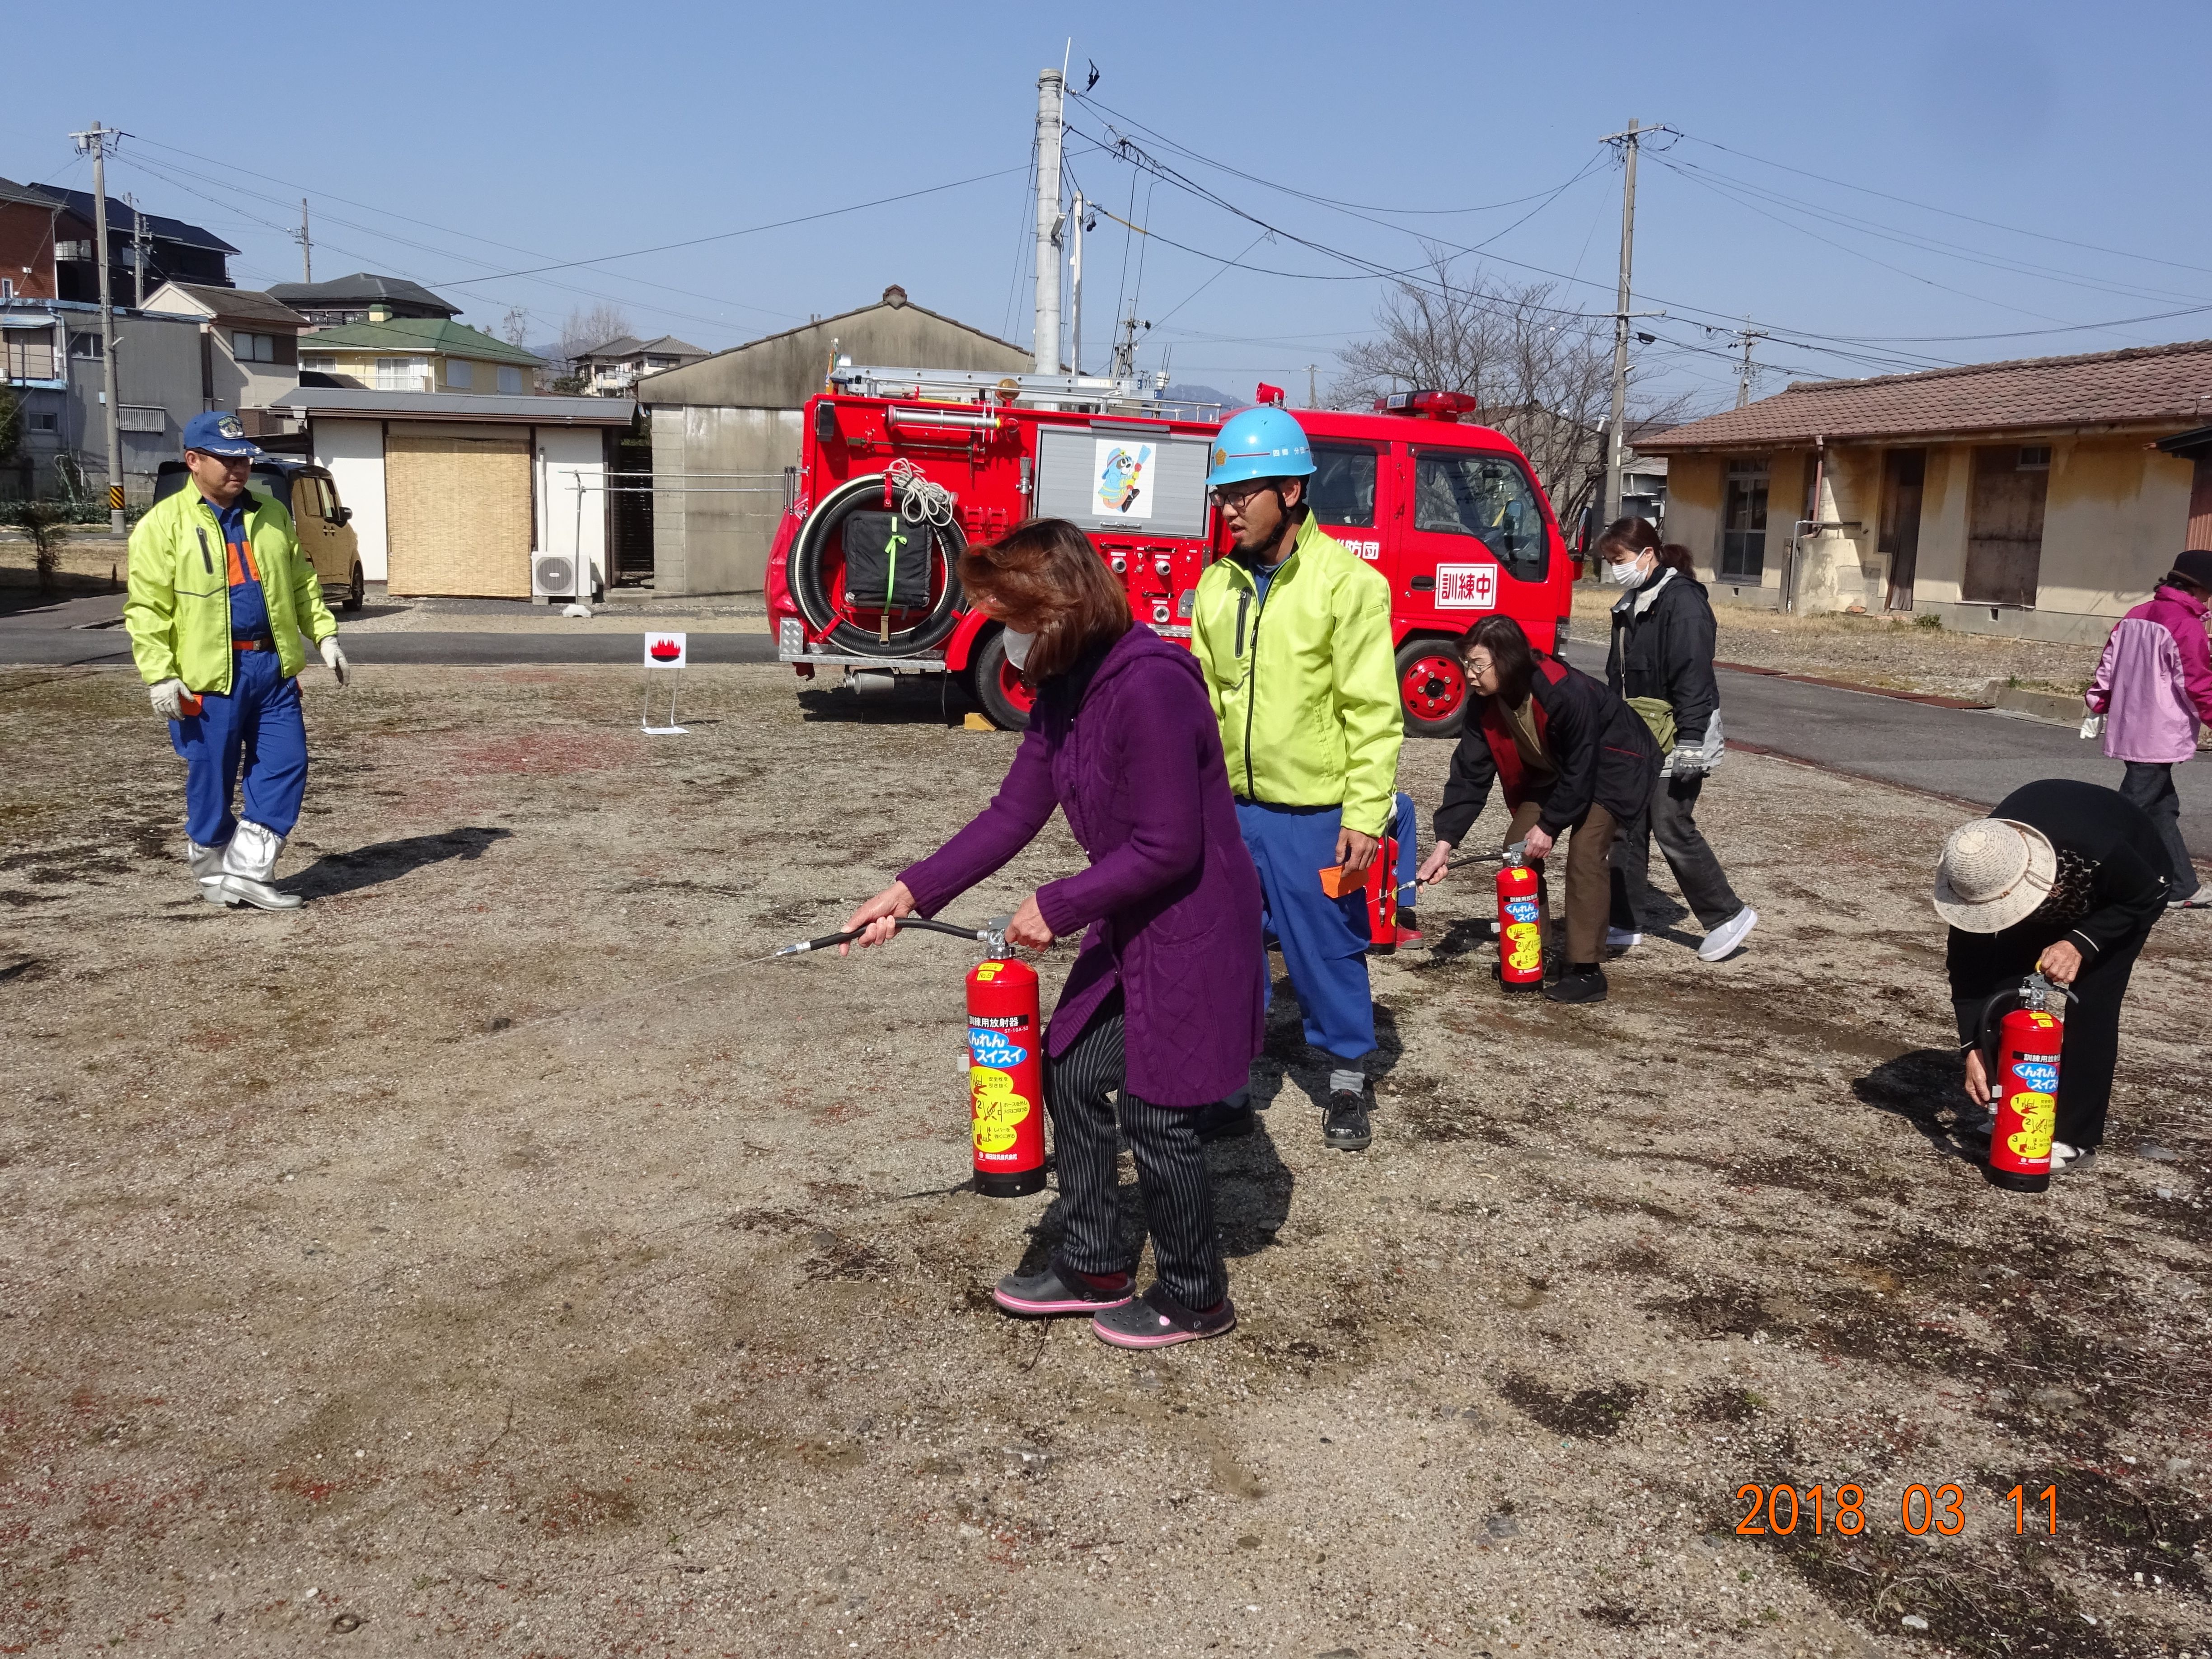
[(1994, 872)]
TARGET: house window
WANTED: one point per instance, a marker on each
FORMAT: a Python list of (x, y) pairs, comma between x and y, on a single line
[(510, 382), (402, 373), (460, 373), (253, 348), (87, 346), (319, 365), (1743, 523), (27, 353), (2034, 458)]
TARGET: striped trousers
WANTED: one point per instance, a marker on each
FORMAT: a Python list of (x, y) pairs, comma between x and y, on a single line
[(1171, 1173)]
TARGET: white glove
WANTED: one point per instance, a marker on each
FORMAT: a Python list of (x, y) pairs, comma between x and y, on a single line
[(335, 658), (168, 698), (1685, 762), (2093, 726)]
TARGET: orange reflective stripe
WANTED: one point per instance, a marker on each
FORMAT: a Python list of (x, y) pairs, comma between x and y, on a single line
[(242, 567)]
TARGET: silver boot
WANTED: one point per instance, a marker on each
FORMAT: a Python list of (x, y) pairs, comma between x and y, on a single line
[(207, 869), (247, 864)]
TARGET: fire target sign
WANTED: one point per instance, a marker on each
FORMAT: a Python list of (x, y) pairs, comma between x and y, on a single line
[(666, 650)]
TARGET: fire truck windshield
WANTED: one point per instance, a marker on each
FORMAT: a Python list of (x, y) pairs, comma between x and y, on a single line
[(1488, 497)]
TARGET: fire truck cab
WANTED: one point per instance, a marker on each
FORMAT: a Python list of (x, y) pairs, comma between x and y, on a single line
[(900, 470)]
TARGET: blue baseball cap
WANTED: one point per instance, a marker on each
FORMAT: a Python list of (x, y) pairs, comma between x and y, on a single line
[(219, 432)]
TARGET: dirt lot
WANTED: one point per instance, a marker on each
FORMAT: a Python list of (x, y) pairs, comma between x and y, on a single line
[(1900, 655), (467, 1263)]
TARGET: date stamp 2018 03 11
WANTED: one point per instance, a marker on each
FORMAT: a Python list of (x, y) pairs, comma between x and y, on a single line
[(1781, 1509)]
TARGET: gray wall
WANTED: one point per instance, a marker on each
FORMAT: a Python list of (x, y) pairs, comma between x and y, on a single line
[(738, 413), (157, 364)]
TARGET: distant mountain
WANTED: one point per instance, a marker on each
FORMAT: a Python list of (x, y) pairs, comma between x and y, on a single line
[(1184, 391)]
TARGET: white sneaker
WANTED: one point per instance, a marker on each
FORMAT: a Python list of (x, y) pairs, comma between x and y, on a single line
[(2064, 1157), (1730, 933), (1618, 940)]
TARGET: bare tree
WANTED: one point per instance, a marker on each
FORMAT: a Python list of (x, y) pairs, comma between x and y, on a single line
[(515, 330), (1541, 371), (585, 329)]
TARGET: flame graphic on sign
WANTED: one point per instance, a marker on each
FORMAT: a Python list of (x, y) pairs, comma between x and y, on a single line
[(665, 650)]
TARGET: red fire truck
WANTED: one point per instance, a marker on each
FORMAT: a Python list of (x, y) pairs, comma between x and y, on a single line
[(900, 470)]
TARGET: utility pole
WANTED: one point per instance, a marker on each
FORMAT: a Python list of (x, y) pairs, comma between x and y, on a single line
[(1747, 334), (1125, 354), (1050, 91), (137, 254), (1075, 302), (1313, 397), (306, 245), (97, 141), (1629, 141)]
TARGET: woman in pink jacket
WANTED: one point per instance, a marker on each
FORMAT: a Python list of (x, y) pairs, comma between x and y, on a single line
[(2153, 688)]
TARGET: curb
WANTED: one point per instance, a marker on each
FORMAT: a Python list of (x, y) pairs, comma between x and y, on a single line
[(2054, 707), (1926, 697)]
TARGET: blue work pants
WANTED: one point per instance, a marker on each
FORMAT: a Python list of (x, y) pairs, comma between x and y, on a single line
[(1324, 940), (257, 725)]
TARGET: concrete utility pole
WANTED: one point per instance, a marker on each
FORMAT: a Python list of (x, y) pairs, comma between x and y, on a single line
[(97, 141), (1747, 334), (137, 254), (1049, 88), (1313, 397), (1613, 432), (1075, 298), (306, 245)]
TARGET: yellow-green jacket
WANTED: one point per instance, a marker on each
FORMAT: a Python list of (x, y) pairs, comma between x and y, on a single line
[(179, 611), (1304, 683)]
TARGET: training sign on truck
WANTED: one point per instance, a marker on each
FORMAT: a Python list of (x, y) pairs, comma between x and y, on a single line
[(1466, 587), (1126, 475)]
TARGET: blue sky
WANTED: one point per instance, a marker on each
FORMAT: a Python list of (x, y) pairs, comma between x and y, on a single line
[(459, 145)]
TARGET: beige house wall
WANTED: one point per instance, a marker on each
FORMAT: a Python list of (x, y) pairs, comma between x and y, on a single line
[(2116, 513), (713, 537)]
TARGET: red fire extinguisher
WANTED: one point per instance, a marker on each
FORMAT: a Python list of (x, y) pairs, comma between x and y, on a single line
[(2021, 1046), (1006, 1078), (1520, 926), (1382, 899)]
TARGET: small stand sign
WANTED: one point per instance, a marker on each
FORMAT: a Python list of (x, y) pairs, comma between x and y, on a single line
[(666, 652)]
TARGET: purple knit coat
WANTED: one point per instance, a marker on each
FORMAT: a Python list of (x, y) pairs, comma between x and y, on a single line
[(1171, 901)]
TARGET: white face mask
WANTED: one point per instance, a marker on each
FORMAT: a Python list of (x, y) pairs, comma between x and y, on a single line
[(1018, 645), (1626, 573)]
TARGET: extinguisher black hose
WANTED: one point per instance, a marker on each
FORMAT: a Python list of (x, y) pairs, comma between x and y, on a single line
[(830, 941)]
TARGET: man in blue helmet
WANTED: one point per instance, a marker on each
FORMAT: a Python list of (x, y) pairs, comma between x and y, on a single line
[(220, 594), (1293, 632)]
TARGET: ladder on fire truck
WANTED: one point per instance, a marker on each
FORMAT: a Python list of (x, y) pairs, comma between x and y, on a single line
[(1069, 394)]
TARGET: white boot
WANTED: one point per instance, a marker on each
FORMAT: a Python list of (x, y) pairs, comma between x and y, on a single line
[(247, 864), (207, 870)]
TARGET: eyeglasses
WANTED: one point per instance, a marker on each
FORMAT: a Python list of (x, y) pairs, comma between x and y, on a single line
[(1237, 495)]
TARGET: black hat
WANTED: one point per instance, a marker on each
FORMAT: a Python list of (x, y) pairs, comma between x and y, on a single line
[(2196, 566)]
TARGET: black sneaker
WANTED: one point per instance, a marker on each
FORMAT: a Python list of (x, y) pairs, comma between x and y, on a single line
[(1344, 1127), (1158, 1321), (1056, 1290), (1224, 1120), (1572, 986)]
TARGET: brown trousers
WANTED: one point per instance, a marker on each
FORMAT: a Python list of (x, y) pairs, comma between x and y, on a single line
[(1590, 877)]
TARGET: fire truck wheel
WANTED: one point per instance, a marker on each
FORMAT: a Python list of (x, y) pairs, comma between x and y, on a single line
[(815, 570), (1433, 686), (997, 689)]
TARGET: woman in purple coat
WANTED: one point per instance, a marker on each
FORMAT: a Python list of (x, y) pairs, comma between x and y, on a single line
[(1165, 1002)]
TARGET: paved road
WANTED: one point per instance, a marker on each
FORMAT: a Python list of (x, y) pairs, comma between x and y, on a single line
[(1972, 755)]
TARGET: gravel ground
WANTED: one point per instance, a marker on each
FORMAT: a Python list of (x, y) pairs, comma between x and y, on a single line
[(474, 1262), (1876, 651)]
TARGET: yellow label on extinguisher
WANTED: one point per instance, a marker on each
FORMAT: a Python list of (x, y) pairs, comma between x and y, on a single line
[(2038, 1120), (1524, 947), (998, 1108)]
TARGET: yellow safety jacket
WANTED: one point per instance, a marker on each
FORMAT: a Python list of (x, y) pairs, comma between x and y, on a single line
[(1303, 682), (178, 609)]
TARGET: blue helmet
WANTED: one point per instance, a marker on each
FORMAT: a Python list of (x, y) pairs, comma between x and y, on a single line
[(1260, 443)]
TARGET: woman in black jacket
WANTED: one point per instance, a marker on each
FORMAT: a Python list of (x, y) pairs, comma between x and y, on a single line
[(1662, 665), (2066, 878), (1574, 761)]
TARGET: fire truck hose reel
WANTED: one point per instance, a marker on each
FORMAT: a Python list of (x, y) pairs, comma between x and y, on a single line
[(807, 569)]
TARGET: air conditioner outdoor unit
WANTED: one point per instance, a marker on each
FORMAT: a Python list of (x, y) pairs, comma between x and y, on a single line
[(553, 576)]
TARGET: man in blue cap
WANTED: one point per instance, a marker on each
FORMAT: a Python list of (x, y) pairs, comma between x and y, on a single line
[(220, 594)]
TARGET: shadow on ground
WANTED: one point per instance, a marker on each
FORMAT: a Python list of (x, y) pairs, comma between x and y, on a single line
[(387, 861)]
